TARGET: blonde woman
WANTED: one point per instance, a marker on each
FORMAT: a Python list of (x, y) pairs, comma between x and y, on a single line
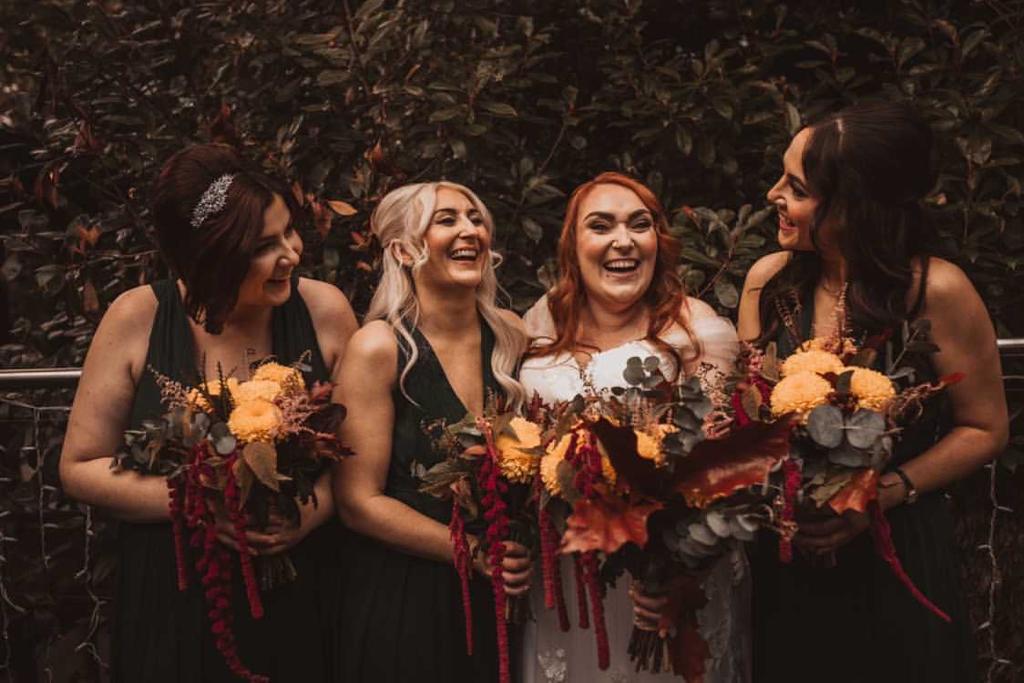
[(434, 345)]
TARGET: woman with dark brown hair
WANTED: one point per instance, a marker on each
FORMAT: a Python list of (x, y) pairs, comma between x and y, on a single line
[(226, 232), (852, 228), (619, 295)]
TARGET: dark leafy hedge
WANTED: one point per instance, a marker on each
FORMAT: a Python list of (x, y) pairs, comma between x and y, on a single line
[(519, 100)]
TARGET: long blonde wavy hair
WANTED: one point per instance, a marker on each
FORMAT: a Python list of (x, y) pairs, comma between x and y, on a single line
[(401, 220)]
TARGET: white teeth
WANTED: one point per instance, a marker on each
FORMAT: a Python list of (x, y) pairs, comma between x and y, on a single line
[(463, 254), (622, 264)]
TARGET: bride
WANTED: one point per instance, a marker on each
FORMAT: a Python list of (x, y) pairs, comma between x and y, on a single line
[(619, 296)]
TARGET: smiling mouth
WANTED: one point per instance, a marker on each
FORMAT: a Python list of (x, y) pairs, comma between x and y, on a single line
[(785, 223), (622, 265), (465, 254)]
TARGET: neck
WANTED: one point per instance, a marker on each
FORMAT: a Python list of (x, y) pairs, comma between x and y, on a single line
[(449, 311), (601, 320), (242, 320), (833, 272)]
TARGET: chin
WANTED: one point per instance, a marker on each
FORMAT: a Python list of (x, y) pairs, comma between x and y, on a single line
[(789, 240)]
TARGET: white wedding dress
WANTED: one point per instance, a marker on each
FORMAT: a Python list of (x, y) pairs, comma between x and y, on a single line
[(550, 655)]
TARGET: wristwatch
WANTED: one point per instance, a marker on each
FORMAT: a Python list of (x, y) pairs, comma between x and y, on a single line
[(907, 484)]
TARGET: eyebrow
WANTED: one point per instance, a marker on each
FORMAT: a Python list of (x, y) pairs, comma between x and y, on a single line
[(452, 212), (608, 216)]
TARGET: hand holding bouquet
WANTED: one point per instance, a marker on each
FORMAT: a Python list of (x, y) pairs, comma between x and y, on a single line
[(249, 451)]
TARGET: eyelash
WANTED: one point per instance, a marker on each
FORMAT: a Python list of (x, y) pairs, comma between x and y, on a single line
[(639, 226), (263, 248)]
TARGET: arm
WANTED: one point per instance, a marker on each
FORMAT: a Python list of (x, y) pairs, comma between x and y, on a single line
[(964, 333), (335, 323), (748, 323), (369, 372), (100, 412)]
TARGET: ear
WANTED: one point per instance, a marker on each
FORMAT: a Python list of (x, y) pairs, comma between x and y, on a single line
[(400, 253)]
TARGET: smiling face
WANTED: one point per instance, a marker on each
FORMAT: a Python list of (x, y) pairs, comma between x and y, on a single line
[(457, 242), (616, 246), (792, 197), (277, 253)]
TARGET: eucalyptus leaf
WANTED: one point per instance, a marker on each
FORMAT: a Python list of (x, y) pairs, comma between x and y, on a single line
[(825, 426), (864, 427)]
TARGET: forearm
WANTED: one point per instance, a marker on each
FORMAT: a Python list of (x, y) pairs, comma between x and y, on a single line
[(962, 451), (394, 523), (126, 495), (323, 510)]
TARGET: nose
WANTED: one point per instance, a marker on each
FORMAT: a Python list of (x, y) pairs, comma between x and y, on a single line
[(621, 239), (291, 257), (775, 192)]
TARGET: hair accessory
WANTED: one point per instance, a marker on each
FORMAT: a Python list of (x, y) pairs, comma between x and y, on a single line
[(213, 200)]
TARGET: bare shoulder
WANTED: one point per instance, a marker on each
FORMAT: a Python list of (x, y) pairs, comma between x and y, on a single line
[(374, 344), (765, 268), (130, 316), (326, 303), (946, 282), (695, 309), (122, 338)]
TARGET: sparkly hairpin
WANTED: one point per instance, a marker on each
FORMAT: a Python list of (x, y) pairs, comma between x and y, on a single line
[(213, 200)]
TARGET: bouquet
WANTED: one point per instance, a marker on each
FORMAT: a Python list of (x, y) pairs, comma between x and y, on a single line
[(640, 479), (847, 418), (489, 473), (253, 449)]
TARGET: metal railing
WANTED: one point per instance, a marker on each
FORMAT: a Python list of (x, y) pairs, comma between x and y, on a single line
[(58, 378)]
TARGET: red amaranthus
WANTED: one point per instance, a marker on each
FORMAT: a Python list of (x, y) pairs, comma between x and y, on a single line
[(494, 488), (214, 561)]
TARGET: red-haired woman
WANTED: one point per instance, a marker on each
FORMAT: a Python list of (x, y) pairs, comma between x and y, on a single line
[(226, 231), (618, 295)]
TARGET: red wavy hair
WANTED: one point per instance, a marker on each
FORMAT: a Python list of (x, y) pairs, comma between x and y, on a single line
[(665, 297)]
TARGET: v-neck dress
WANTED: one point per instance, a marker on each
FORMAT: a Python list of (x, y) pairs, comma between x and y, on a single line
[(403, 618), (162, 635), (856, 622)]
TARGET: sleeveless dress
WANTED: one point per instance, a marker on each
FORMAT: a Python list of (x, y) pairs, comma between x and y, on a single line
[(403, 618), (856, 622), (550, 655), (161, 635)]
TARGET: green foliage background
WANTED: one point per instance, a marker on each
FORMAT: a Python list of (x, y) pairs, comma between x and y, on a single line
[(519, 100)]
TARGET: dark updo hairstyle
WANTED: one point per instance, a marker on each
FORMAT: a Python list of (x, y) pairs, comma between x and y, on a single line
[(870, 167), (213, 258)]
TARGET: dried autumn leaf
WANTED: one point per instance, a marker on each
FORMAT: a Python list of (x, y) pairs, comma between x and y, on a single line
[(262, 459), (90, 299), (244, 477), (633, 473), (342, 208), (606, 525), (856, 495), (717, 468)]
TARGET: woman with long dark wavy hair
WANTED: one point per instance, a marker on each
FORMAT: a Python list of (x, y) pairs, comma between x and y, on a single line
[(619, 295), (853, 227), (226, 230)]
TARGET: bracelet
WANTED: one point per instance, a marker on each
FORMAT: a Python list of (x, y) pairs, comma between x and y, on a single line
[(908, 485)]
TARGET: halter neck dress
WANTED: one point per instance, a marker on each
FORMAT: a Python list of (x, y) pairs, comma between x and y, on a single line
[(162, 635), (856, 622), (403, 616)]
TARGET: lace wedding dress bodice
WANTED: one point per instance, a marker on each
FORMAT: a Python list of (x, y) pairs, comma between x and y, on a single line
[(552, 656)]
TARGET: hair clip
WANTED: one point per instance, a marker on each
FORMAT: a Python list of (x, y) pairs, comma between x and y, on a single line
[(213, 199)]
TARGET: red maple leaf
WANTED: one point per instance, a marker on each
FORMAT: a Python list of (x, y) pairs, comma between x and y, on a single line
[(856, 495), (606, 524), (717, 468)]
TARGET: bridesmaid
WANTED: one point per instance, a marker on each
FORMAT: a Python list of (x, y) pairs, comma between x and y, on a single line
[(226, 232), (851, 220), (435, 345)]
